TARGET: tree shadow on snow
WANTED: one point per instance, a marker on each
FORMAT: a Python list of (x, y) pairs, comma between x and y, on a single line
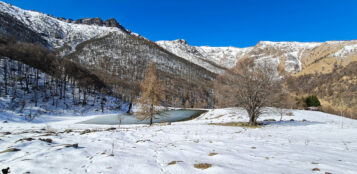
[(290, 123)]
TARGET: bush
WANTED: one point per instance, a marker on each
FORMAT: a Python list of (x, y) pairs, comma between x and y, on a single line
[(312, 101)]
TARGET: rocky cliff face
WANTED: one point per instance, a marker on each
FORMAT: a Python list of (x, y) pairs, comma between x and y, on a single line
[(97, 22)]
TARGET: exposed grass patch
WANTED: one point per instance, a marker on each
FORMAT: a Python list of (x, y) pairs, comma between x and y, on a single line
[(202, 166), (143, 141), (25, 139), (85, 131), (270, 120), (68, 131), (174, 162), (212, 154), (239, 124), (110, 129), (10, 150), (219, 116), (48, 140), (71, 145), (315, 169), (6, 133)]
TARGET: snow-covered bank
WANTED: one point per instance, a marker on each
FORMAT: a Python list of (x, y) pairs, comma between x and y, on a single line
[(325, 142)]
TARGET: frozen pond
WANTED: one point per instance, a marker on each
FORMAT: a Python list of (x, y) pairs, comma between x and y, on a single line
[(168, 116)]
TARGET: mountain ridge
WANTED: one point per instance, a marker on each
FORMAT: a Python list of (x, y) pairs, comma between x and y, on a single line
[(118, 57), (295, 56)]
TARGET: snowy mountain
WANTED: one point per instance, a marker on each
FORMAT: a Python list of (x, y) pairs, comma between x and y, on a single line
[(65, 34), (215, 59), (116, 55), (56, 32), (291, 57), (119, 57)]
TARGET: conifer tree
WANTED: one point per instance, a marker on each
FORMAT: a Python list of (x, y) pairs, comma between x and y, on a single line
[(152, 93)]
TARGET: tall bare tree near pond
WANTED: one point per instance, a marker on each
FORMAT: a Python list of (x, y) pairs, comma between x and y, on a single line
[(152, 94)]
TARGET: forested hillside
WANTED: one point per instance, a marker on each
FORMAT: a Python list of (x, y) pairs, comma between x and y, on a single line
[(337, 90), (34, 81), (117, 56), (121, 60)]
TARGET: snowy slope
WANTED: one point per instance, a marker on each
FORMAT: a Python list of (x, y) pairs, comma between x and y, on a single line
[(323, 142), (205, 56), (228, 56), (110, 51), (58, 33), (347, 49), (290, 54)]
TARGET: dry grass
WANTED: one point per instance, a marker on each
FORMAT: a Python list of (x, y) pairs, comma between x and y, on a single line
[(219, 116), (10, 150), (212, 154), (48, 140), (174, 162), (202, 166), (315, 169)]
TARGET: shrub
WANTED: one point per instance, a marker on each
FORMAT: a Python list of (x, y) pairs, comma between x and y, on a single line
[(312, 101)]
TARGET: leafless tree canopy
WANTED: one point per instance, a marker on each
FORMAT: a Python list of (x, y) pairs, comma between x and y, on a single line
[(248, 85)]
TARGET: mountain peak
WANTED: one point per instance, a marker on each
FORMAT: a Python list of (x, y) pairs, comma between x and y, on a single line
[(112, 22), (180, 41)]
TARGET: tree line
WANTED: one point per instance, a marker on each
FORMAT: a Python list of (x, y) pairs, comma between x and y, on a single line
[(30, 71)]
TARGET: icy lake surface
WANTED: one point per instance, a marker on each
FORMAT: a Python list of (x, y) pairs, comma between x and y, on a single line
[(167, 116)]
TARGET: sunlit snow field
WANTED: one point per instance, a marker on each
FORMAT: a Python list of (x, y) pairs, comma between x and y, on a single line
[(314, 140)]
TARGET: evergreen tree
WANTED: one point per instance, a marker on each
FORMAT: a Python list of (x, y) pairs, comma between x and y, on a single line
[(312, 101)]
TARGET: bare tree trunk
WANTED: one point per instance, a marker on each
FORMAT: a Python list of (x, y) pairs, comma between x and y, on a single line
[(84, 96), (73, 91), (36, 89), (151, 113), (251, 120), (64, 89), (130, 106), (5, 75)]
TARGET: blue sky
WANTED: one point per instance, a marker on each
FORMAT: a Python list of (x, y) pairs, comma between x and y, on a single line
[(237, 23)]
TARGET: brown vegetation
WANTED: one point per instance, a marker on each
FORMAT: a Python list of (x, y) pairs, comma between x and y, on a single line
[(336, 90), (248, 85), (202, 166), (152, 94)]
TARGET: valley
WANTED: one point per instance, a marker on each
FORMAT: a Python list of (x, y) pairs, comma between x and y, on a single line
[(88, 95)]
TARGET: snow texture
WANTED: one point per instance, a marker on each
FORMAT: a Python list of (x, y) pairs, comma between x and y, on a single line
[(312, 140)]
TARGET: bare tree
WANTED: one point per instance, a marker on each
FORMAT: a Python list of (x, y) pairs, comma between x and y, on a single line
[(281, 104), (152, 93), (248, 85)]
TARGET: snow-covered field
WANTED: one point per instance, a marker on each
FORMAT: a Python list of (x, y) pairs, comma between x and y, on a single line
[(314, 140)]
